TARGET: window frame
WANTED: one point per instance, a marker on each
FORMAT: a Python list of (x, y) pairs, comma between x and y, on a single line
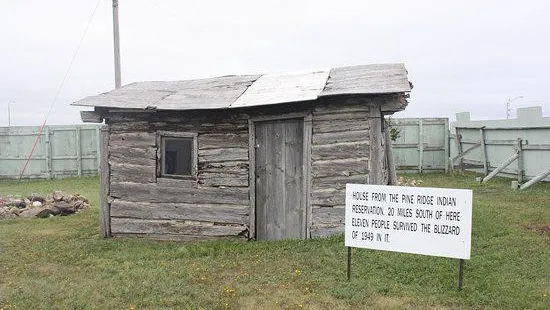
[(161, 136)]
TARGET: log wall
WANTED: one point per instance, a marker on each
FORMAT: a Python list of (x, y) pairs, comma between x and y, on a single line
[(339, 155), (212, 205)]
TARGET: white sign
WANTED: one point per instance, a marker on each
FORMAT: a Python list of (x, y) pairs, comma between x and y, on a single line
[(420, 220)]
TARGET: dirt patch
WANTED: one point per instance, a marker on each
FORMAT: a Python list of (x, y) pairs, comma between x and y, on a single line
[(539, 229)]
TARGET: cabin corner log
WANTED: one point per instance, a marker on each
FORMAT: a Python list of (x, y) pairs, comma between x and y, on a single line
[(376, 161), (105, 208)]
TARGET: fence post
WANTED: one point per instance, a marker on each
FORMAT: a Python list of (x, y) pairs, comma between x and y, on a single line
[(78, 151), (48, 152), (392, 175), (458, 142), (98, 148), (483, 150), (520, 161), (446, 145), (420, 145)]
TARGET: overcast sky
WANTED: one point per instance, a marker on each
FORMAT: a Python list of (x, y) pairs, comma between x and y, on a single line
[(461, 55)]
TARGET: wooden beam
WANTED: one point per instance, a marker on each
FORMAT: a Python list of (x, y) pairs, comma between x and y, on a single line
[(105, 175), (252, 179), (376, 162), (392, 175), (91, 116), (521, 171), (483, 151), (307, 182), (535, 179), (471, 148), (500, 167), (458, 144)]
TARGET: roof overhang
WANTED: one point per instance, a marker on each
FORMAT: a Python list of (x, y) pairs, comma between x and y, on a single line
[(243, 91)]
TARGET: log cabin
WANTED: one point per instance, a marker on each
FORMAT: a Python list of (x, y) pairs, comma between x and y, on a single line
[(243, 157)]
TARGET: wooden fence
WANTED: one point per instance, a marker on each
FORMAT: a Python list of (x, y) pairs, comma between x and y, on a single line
[(61, 151)]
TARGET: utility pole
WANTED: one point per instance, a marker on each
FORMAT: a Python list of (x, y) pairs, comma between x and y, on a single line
[(116, 39)]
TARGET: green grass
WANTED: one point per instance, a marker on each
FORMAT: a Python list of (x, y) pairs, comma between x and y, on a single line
[(61, 263)]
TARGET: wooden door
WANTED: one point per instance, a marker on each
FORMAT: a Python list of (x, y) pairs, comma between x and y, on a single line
[(279, 180)]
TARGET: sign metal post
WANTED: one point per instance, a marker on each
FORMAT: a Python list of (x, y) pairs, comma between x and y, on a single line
[(349, 263), (460, 273)]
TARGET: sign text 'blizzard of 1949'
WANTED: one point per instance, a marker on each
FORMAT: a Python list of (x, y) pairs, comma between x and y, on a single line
[(420, 220)]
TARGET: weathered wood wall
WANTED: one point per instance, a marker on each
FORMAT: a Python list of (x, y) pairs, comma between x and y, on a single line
[(216, 204), (339, 155)]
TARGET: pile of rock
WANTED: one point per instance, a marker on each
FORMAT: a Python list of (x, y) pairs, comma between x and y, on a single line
[(401, 181), (58, 203)]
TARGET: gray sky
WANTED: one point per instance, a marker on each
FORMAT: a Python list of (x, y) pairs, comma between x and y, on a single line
[(461, 55)]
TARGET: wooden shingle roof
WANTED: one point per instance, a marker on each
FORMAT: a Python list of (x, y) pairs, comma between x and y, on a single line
[(254, 90)]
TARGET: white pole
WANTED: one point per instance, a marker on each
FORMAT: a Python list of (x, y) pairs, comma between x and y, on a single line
[(116, 39), (9, 114), (535, 179)]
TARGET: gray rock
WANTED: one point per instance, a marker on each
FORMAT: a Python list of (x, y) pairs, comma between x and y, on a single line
[(57, 196), (79, 204), (31, 212), (62, 208), (35, 197), (45, 213), (15, 210)]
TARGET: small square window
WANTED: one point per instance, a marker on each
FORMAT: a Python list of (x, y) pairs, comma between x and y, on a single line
[(178, 156)]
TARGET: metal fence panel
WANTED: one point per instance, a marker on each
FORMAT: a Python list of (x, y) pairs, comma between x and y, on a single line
[(421, 145), (501, 142), (61, 151)]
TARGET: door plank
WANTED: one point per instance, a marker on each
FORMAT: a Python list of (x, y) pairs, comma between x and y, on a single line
[(261, 175), (279, 179), (276, 190), (293, 178)]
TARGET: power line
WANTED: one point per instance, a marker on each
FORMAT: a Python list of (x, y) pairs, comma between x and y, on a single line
[(59, 89)]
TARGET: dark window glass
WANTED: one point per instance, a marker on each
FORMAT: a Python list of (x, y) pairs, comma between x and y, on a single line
[(178, 156)]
